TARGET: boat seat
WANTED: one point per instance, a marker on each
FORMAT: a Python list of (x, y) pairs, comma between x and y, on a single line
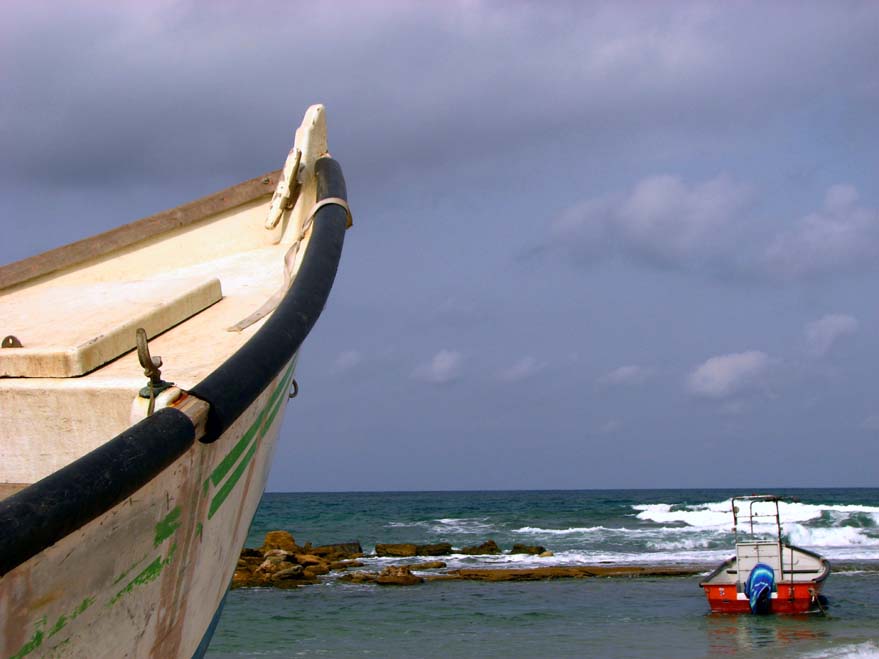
[(59, 339)]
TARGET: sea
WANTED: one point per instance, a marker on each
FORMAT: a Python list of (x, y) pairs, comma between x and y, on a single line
[(594, 617)]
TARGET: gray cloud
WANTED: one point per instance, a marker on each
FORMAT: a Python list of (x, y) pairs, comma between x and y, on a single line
[(665, 149), (442, 368), (823, 333), (148, 75), (662, 220), (726, 375), (712, 227), (842, 237), (525, 368), (627, 376)]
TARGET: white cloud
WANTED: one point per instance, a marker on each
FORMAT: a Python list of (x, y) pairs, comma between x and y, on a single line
[(663, 219), (841, 237), (445, 366), (666, 221), (346, 361), (668, 218), (726, 375), (522, 370), (821, 334), (627, 375)]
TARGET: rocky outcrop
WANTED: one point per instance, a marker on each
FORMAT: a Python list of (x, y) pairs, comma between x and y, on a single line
[(487, 547), (427, 565), (278, 540), (359, 577), (403, 550), (397, 575), (536, 550), (281, 563), (407, 550), (436, 549), (338, 552)]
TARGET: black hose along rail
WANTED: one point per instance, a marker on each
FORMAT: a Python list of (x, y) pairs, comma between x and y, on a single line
[(42, 514)]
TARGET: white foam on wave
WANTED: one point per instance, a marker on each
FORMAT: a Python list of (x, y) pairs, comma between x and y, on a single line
[(536, 530), (838, 536), (447, 525), (866, 650), (607, 530), (461, 525), (840, 541), (718, 514)]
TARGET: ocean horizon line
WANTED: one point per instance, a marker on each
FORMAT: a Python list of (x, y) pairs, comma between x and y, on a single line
[(744, 491)]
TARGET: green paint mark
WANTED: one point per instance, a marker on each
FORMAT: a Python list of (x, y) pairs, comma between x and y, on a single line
[(225, 465), (166, 527), (270, 420), (86, 603), (223, 493), (35, 641), (130, 568), (58, 626), (198, 529), (150, 573)]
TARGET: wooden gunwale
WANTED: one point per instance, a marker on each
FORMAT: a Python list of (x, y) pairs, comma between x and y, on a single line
[(186, 214)]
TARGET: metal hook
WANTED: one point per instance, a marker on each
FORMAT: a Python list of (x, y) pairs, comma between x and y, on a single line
[(151, 365), (295, 391), (152, 369)]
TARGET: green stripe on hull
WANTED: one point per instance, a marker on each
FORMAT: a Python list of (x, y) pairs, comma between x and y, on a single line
[(231, 458), (263, 423)]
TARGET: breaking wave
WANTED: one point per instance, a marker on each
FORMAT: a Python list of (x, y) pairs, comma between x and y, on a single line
[(838, 531)]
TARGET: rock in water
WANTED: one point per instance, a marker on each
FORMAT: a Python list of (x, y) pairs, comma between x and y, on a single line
[(359, 577), (396, 550), (528, 549), (279, 540), (397, 576), (437, 549), (487, 547), (272, 565), (338, 552), (292, 572), (427, 565)]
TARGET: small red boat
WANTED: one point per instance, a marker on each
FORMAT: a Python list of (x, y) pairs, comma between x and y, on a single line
[(765, 575)]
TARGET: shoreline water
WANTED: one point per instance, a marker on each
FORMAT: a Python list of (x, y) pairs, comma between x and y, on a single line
[(564, 617)]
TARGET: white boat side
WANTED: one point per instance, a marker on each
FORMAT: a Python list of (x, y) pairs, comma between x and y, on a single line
[(790, 564), (122, 527)]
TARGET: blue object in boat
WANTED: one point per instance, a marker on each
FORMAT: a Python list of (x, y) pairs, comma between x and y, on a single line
[(759, 587)]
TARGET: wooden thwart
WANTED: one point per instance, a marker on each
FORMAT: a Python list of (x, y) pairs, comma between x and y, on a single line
[(69, 331)]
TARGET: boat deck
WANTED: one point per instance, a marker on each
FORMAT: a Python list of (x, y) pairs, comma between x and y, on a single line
[(187, 287)]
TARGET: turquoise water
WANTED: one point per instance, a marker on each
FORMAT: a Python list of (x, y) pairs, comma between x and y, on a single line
[(650, 617)]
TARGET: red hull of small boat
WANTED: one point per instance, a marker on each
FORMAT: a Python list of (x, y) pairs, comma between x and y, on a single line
[(791, 598)]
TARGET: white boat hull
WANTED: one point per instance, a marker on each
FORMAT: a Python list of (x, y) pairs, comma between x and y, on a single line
[(123, 507), (147, 577)]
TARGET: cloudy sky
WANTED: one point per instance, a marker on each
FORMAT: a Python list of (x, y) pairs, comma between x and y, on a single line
[(596, 245)]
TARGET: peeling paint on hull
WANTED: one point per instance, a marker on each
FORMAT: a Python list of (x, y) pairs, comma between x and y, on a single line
[(148, 576)]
